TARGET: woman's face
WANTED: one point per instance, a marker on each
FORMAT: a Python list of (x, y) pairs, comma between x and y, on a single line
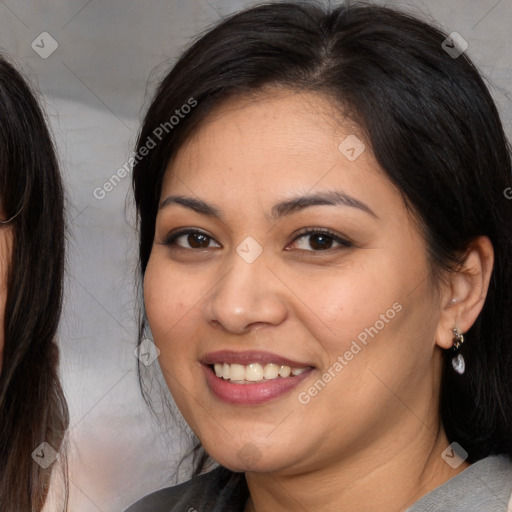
[(353, 310)]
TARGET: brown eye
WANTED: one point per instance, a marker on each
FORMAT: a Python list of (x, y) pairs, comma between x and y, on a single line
[(195, 240), (320, 241), (316, 240)]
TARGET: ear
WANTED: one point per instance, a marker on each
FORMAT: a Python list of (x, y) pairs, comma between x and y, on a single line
[(464, 291)]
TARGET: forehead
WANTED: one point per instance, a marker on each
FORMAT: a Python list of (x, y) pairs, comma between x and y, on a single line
[(271, 144)]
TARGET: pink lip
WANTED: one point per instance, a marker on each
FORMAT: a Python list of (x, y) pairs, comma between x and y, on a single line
[(255, 393), (250, 356)]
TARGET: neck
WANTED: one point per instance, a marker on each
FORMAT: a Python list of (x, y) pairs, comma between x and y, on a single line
[(385, 478)]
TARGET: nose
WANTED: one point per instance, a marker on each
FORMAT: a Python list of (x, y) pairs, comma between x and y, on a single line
[(248, 296)]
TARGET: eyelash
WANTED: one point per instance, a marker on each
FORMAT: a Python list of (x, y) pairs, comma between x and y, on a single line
[(170, 240)]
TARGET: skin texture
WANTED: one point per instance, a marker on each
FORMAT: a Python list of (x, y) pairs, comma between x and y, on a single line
[(371, 439)]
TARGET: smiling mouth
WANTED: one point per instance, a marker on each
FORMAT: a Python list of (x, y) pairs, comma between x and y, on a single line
[(255, 372)]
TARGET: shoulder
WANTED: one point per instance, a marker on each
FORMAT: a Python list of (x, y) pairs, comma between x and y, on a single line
[(485, 485), (217, 490)]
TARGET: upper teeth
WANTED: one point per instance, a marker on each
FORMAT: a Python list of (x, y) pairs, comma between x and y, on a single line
[(254, 371)]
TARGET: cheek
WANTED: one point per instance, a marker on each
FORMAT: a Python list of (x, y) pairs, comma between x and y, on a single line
[(169, 299), (341, 303), (368, 313)]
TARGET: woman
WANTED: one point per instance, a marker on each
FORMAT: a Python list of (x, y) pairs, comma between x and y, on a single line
[(33, 410), (325, 247)]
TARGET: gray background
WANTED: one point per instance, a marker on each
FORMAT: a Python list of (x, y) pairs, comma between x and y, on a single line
[(94, 88)]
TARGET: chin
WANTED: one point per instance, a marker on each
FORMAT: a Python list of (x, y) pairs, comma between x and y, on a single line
[(250, 458)]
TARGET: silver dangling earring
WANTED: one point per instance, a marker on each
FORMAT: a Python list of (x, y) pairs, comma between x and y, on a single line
[(458, 363)]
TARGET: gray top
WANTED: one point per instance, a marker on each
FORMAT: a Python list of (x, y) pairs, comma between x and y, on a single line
[(485, 486)]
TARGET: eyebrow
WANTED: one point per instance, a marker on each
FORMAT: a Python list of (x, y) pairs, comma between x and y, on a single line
[(279, 210)]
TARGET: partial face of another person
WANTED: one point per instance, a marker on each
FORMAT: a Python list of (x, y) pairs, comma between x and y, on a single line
[(351, 303), (5, 257)]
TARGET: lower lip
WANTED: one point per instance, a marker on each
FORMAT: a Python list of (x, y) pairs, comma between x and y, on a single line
[(252, 394)]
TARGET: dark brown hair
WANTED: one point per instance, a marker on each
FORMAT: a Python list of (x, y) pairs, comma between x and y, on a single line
[(32, 405)]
